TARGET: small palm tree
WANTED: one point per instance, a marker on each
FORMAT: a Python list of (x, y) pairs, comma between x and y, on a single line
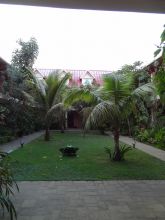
[(118, 95), (50, 94), (112, 103)]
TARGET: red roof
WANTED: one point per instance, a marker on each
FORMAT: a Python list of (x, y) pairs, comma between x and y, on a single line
[(77, 75), (154, 66)]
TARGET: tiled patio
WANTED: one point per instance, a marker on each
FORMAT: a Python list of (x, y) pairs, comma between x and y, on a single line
[(100, 200)]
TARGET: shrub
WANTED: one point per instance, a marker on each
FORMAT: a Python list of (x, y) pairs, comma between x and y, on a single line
[(123, 150), (143, 135), (154, 136), (160, 138), (7, 184)]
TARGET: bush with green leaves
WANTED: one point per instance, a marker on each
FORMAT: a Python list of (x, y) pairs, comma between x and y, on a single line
[(7, 186), (123, 150), (160, 138), (143, 135), (155, 136)]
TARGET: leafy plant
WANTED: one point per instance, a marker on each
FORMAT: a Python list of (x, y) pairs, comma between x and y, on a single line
[(154, 136), (7, 184), (123, 150), (49, 97), (113, 103), (159, 78), (143, 135), (26, 55), (160, 138)]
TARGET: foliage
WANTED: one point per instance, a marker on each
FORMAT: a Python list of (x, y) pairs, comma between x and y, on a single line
[(119, 99), (154, 136), (136, 69), (20, 117), (49, 97), (123, 150), (143, 104), (160, 138), (143, 135), (7, 184), (159, 79), (26, 55), (18, 111), (161, 47), (112, 103)]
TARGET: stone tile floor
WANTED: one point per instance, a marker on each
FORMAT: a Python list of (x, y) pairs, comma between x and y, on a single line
[(91, 200)]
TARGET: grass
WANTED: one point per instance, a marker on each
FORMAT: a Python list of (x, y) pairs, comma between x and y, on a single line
[(40, 160)]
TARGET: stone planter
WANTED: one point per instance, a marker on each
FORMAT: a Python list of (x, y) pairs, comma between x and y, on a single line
[(69, 151)]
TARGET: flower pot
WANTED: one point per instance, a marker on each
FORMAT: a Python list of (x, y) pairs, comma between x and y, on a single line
[(69, 151)]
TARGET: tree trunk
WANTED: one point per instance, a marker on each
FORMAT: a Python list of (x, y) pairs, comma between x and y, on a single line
[(117, 154), (153, 116), (62, 123), (62, 128), (129, 127), (47, 134)]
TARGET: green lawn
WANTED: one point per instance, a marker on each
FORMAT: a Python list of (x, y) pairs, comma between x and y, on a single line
[(41, 160)]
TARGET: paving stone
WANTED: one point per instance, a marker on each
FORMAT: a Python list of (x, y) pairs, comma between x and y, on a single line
[(144, 200)]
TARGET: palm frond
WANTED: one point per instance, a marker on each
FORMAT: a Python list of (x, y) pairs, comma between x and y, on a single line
[(144, 90), (7, 204), (86, 111), (126, 107), (102, 112), (55, 86), (82, 94), (116, 87), (55, 112), (39, 85), (29, 98)]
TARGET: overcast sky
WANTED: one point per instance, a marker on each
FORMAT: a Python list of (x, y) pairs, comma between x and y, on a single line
[(81, 39)]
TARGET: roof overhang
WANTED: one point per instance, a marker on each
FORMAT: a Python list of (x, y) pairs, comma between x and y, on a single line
[(149, 6), (3, 64)]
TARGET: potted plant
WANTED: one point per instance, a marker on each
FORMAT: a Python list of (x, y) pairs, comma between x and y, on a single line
[(69, 151)]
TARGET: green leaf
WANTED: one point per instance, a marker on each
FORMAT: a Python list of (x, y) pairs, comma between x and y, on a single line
[(162, 36), (157, 52)]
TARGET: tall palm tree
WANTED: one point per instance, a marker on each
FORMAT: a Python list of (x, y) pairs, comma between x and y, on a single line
[(114, 102), (50, 94)]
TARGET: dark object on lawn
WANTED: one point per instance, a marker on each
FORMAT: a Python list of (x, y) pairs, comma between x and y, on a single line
[(69, 151)]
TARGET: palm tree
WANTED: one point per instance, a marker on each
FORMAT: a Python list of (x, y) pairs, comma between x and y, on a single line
[(114, 102), (50, 92)]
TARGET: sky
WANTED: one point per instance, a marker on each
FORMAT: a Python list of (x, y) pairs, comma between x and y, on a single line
[(81, 39)]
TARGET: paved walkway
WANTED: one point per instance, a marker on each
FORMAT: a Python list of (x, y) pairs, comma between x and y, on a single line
[(100, 200), (160, 154), (13, 145)]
